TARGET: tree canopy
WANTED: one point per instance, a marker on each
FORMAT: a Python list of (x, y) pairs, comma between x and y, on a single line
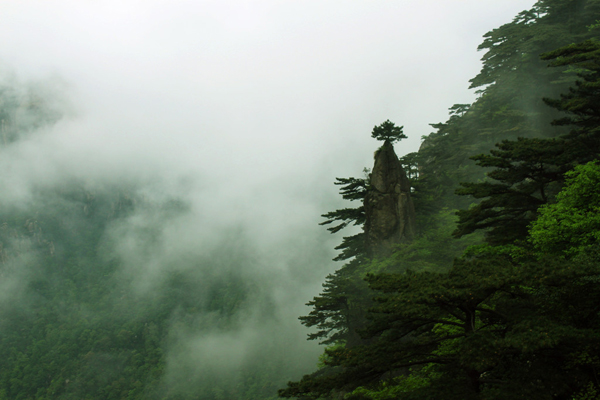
[(388, 131), (572, 224), (515, 315)]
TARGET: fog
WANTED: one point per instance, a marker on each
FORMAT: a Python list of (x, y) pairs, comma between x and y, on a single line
[(242, 111)]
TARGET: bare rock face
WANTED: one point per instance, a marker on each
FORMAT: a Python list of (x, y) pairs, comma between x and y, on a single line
[(390, 213)]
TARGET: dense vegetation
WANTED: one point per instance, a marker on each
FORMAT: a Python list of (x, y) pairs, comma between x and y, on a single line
[(496, 297), (75, 330), (76, 321), (502, 302)]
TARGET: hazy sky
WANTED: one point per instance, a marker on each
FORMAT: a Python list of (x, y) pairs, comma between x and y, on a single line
[(268, 85), (246, 109)]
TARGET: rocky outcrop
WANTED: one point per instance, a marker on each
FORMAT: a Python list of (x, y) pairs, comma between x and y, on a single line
[(389, 210)]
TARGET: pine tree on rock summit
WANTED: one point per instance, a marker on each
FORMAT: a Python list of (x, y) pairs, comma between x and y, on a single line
[(388, 131)]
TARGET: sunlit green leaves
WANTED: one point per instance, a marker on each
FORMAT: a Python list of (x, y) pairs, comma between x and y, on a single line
[(572, 224)]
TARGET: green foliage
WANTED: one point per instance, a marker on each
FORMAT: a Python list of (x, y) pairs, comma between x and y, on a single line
[(490, 328), (70, 339), (434, 250), (410, 165), (324, 360), (511, 84), (526, 176), (393, 389), (530, 172), (75, 322), (572, 224), (581, 102), (338, 312), (352, 189), (388, 132), (76, 330), (590, 392), (506, 320)]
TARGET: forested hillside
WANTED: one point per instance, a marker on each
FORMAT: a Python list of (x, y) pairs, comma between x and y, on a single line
[(96, 302), (496, 296), (469, 269)]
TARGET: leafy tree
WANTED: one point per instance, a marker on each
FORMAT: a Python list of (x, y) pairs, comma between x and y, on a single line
[(572, 224)]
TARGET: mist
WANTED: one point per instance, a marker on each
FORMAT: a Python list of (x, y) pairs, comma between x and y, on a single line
[(208, 135)]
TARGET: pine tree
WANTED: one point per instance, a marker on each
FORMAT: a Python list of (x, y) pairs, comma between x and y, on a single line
[(388, 132), (353, 189), (582, 102), (505, 322), (527, 174), (337, 312), (511, 86)]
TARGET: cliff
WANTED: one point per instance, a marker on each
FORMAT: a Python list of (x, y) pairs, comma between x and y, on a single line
[(389, 209)]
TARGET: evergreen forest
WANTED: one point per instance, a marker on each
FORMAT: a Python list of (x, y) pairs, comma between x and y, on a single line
[(487, 287), (495, 293)]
